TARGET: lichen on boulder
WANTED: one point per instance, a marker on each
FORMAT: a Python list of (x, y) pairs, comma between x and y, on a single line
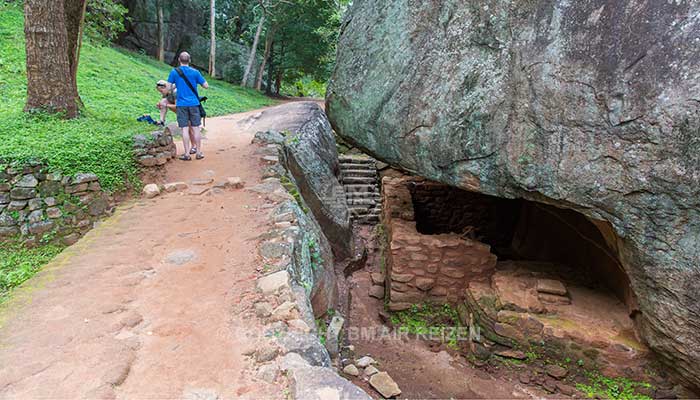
[(590, 106)]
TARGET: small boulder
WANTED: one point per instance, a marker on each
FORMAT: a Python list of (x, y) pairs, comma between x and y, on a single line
[(299, 325), (27, 181), (268, 373), (556, 371), (274, 282), (263, 310), (371, 370), (365, 362), (551, 286), (286, 311), (266, 353), (386, 386), (377, 278), (351, 370), (174, 186), (234, 182), (151, 190)]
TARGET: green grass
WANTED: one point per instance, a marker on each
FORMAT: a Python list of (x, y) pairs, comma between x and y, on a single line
[(429, 319), (602, 387), (17, 264), (116, 87)]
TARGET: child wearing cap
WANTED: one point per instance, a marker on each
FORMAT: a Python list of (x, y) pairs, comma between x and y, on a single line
[(169, 100)]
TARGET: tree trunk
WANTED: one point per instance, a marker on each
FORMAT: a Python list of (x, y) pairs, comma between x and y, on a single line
[(253, 50), (161, 32), (212, 48), (75, 20), (270, 69), (261, 71), (50, 81)]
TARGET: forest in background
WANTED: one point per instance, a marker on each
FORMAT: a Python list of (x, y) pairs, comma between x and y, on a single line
[(292, 41)]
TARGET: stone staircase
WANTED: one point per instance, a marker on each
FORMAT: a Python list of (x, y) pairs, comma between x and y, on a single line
[(360, 179)]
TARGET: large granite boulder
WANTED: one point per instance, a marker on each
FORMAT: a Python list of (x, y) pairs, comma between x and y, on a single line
[(589, 105), (311, 156)]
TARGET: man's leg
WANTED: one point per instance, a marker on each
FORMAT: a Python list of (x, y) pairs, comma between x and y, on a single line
[(183, 122), (197, 138), (192, 138)]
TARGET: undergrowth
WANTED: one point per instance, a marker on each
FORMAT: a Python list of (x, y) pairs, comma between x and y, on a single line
[(116, 87), (17, 264), (602, 387), (429, 319)]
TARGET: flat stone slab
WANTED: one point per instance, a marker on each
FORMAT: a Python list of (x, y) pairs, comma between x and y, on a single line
[(197, 190), (551, 286), (202, 182), (386, 386), (181, 257)]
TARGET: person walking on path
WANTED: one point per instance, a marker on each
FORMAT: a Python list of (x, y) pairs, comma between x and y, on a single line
[(186, 80)]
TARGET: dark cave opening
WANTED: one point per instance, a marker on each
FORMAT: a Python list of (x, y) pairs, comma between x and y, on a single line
[(522, 230)]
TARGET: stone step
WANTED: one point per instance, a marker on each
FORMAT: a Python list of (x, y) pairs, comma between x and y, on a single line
[(367, 220), (359, 180), (362, 195), (359, 172), (356, 160), (356, 210), (362, 202), (361, 188), (368, 167)]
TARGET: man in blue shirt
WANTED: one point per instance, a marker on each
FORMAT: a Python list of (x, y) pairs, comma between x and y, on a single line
[(188, 114)]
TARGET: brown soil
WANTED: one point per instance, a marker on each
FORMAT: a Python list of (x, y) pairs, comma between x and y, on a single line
[(113, 317)]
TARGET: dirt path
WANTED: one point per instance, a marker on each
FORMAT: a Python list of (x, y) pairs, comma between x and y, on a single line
[(151, 304)]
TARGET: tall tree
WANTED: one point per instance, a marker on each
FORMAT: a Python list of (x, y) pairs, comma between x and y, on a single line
[(253, 50), (53, 32), (161, 31), (269, 38), (212, 48)]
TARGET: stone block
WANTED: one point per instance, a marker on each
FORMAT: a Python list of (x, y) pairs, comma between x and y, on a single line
[(36, 216), (83, 178), (174, 186), (27, 181), (35, 204), (406, 297), (4, 198), (456, 273), (54, 212), (285, 312), (397, 306), (376, 291), (333, 335), (425, 284), (22, 193), (274, 282), (76, 188), (402, 278), (148, 161), (551, 286), (41, 227), (50, 201), (16, 205)]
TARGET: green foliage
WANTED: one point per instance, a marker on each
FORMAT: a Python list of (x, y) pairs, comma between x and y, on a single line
[(316, 257), (291, 187), (304, 87), (104, 20), (602, 387), (116, 86), (429, 319), (17, 264)]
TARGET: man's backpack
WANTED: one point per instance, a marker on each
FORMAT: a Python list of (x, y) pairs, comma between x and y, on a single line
[(202, 111)]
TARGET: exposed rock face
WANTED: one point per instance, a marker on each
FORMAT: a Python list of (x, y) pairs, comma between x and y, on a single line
[(312, 159), (589, 105)]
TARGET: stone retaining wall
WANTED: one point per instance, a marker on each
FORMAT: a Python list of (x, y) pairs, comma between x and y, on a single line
[(36, 206), (157, 148), (426, 268)]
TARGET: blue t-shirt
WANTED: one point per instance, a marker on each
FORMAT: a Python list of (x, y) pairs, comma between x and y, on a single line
[(185, 97)]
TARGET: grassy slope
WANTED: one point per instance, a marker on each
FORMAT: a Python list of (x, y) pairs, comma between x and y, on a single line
[(116, 86)]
